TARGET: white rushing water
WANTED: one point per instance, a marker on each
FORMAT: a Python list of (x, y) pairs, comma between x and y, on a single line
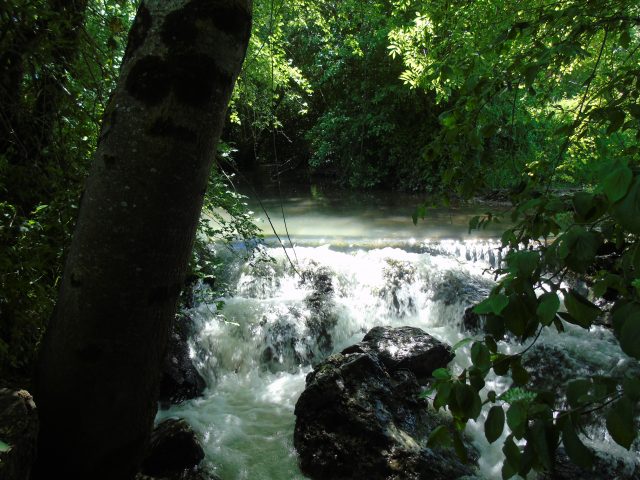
[(278, 321)]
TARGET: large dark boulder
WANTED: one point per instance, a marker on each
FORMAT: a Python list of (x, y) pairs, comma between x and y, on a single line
[(361, 417), (173, 450), (18, 434), (180, 379), (405, 348)]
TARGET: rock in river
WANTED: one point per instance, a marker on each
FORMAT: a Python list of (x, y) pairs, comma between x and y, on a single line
[(18, 434), (180, 379), (360, 416), (174, 451)]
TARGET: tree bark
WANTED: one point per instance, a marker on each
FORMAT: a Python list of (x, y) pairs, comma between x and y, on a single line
[(99, 365)]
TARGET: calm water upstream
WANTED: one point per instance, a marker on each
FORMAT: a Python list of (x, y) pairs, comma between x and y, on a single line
[(255, 352)]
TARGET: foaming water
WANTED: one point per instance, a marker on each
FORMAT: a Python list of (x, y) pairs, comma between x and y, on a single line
[(280, 319)]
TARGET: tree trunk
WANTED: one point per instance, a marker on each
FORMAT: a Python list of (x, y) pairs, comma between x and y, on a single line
[(100, 360)]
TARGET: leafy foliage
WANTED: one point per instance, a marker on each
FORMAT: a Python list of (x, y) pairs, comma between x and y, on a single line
[(58, 62), (570, 69)]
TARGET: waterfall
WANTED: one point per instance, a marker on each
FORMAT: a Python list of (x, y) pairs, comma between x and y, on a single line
[(277, 322)]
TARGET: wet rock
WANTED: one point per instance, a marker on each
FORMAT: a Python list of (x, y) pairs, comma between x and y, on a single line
[(604, 467), (405, 348), (550, 368), (322, 319), (399, 276), (302, 334), (260, 280), (471, 321), (191, 474), (460, 287), (180, 379), (283, 346), (174, 451), (18, 434), (320, 279), (360, 416)]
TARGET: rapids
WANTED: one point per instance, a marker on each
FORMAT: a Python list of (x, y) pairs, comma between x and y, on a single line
[(349, 269)]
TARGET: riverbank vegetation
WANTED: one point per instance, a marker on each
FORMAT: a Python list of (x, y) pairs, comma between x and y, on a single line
[(535, 102)]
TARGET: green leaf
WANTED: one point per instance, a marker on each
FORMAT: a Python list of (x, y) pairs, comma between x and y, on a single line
[(631, 386), (548, 306), (517, 418), (622, 312), (520, 311), (524, 262), (476, 378), (616, 119), (493, 304), (578, 453), (463, 404), (515, 394), (512, 458), (439, 437), (489, 130), (577, 389), (630, 337), (625, 38), (491, 343), (583, 204), (461, 343), (501, 365), (480, 356), (616, 184), (530, 74), (442, 397), (448, 120), (459, 447), (441, 374), (494, 424), (519, 374), (495, 326), (538, 436), (582, 310), (4, 448), (620, 423), (627, 210)]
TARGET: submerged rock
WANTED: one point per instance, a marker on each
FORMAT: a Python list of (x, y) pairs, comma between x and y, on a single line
[(472, 322), (399, 276), (360, 416), (604, 467), (550, 368), (302, 334), (459, 287), (174, 451), (18, 434), (180, 379), (322, 319)]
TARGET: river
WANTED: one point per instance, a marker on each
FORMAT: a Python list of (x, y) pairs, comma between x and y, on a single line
[(256, 350)]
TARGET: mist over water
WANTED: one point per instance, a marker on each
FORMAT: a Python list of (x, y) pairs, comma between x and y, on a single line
[(351, 268)]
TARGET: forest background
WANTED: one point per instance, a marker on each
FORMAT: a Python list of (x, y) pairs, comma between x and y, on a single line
[(536, 102)]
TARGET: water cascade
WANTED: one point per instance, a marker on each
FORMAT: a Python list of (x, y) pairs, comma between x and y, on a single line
[(278, 321)]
